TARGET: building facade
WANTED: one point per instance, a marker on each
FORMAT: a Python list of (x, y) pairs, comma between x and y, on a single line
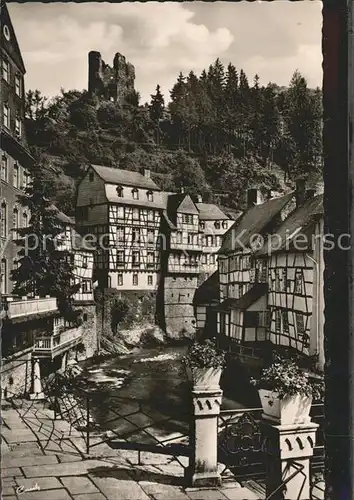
[(16, 160), (148, 240), (270, 289)]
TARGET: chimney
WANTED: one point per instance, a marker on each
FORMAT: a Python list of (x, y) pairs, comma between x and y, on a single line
[(199, 198), (147, 173), (253, 197), (181, 189)]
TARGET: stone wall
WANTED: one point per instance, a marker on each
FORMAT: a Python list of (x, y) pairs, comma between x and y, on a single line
[(16, 373), (90, 336)]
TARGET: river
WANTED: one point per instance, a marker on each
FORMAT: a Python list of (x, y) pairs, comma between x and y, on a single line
[(147, 386)]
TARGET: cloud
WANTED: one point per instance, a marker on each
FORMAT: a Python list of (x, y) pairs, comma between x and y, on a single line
[(162, 39), (159, 39)]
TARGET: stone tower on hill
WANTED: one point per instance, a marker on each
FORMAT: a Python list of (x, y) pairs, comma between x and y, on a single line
[(112, 83)]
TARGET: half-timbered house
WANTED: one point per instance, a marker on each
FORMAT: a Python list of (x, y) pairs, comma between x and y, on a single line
[(294, 262), (242, 280), (122, 211), (213, 224)]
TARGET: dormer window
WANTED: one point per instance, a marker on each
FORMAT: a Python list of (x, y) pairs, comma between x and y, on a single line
[(135, 194), (150, 195), (202, 224), (224, 224), (217, 225), (119, 191)]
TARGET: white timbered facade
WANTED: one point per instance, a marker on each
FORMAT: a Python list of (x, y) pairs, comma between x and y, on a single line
[(274, 293)]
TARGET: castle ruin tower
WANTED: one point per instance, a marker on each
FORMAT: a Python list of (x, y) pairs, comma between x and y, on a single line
[(110, 83)]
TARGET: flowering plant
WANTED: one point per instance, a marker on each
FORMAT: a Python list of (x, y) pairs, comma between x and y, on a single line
[(204, 355), (286, 378)]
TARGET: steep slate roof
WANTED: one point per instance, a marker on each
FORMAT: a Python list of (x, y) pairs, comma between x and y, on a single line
[(253, 222), (301, 220), (249, 298), (182, 203), (208, 291), (209, 211), (124, 177)]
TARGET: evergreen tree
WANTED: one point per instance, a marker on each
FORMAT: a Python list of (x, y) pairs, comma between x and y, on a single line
[(157, 105), (45, 268)]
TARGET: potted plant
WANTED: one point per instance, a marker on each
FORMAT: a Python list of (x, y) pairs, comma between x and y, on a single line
[(204, 364), (286, 392)]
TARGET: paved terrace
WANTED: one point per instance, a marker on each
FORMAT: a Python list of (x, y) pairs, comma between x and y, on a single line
[(48, 455)]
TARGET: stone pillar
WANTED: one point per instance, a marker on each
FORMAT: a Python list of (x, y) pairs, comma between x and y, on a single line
[(37, 392), (203, 463), (288, 449)]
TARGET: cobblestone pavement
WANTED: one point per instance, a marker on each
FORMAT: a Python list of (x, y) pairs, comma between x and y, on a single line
[(43, 458)]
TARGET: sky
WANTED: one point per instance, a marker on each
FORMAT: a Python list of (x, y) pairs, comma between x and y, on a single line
[(162, 39)]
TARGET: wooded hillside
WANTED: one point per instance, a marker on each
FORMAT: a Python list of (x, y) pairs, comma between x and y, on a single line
[(217, 134)]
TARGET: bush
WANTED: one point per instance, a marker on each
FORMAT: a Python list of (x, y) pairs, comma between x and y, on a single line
[(286, 378), (205, 355)]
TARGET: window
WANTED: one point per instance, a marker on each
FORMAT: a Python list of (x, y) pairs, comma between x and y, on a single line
[(217, 224), (209, 241), (135, 279), (15, 218), (18, 85), (150, 280), (86, 286), (190, 239), (298, 281), (136, 235), (24, 219), (300, 326), (150, 195), (3, 276), (285, 321), (204, 258), (6, 115), (179, 237), (3, 228), (84, 261), (150, 215), (119, 191), (150, 259), (224, 224), (284, 279), (91, 176), (277, 321), (135, 213), (120, 233), (18, 126), (120, 212), (135, 194), (16, 175), (120, 279), (136, 259), (26, 179), (251, 319), (218, 241), (6, 70), (120, 258), (188, 219), (202, 224), (277, 281), (212, 259), (4, 168), (150, 236)]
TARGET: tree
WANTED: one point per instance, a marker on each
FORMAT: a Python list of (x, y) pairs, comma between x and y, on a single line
[(35, 105), (45, 268), (156, 110)]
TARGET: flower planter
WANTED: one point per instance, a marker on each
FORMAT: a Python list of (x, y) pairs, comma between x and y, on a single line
[(287, 411), (205, 378)]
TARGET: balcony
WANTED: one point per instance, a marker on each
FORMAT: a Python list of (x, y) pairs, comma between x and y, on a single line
[(50, 347), (29, 307)]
